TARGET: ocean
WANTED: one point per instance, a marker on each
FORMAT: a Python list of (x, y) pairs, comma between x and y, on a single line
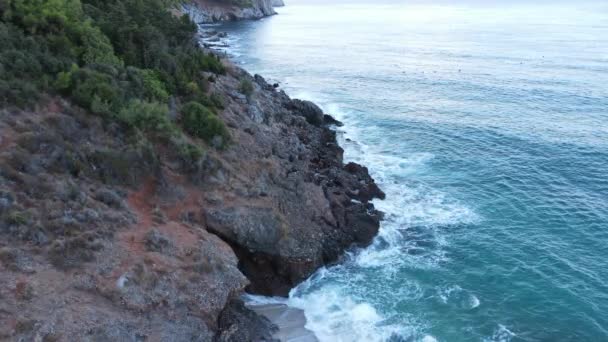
[(486, 124)]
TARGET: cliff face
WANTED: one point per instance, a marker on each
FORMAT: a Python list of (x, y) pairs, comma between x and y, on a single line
[(209, 11), (106, 238)]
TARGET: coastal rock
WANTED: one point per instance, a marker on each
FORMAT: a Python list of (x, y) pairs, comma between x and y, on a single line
[(278, 3), (309, 110), (285, 204), (238, 323), (252, 228), (210, 11)]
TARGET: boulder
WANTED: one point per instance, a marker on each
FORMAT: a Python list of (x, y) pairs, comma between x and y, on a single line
[(238, 323), (309, 110), (254, 228), (330, 120)]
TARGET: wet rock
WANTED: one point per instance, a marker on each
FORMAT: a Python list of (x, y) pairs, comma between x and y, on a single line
[(262, 82), (329, 120), (309, 110), (237, 323), (363, 223), (365, 189)]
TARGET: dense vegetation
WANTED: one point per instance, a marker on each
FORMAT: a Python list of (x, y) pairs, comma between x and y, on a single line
[(129, 61)]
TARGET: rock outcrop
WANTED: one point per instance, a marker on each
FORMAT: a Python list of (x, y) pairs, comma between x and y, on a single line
[(107, 237), (210, 11), (278, 3), (293, 205)]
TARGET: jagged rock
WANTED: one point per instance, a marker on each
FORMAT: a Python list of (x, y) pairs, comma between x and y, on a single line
[(237, 323), (330, 120), (257, 229), (309, 110), (209, 11)]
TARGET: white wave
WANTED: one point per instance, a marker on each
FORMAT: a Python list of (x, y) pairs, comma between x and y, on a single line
[(334, 316), (411, 236), (261, 300), (457, 297), (501, 334), (474, 301), (445, 293)]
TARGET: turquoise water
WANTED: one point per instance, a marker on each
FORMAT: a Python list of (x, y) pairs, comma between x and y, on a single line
[(487, 126)]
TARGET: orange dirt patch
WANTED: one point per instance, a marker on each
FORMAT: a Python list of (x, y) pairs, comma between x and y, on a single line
[(190, 203), (141, 203)]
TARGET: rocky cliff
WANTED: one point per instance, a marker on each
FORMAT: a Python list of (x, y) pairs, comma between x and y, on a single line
[(210, 11), (109, 238)]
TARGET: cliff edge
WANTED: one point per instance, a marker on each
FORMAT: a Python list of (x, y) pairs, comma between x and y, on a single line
[(210, 11)]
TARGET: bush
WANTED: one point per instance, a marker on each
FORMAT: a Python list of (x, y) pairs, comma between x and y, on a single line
[(42, 39), (246, 87), (147, 116), (17, 218), (155, 89), (217, 101), (201, 122), (96, 91), (121, 59), (96, 47)]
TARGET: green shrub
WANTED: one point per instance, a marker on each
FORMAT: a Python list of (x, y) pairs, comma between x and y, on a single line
[(95, 91), (17, 218), (192, 88), (96, 48), (63, 81), (246, 87), (121, 59), (217, 101), (189, 153), (154, 88), (241, 3), (201, 122), (147, 116)]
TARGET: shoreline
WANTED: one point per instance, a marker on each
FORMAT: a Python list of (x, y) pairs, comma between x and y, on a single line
[(290, 321)]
